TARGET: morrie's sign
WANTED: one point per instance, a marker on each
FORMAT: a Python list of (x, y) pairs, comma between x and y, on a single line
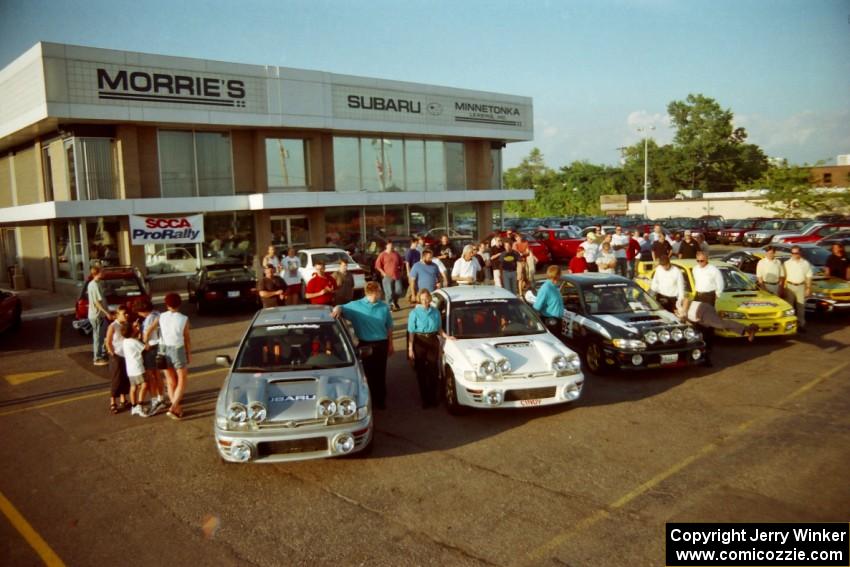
[(171, 230)]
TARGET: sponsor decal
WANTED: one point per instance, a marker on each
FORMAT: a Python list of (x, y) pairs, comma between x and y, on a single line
[(485, 113), (137, 85), (293, 398), (292, 326), (172, 230), (752, 304), (387, 104), (529, 403)]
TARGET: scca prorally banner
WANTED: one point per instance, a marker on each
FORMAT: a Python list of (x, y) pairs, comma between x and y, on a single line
[(170, 230)]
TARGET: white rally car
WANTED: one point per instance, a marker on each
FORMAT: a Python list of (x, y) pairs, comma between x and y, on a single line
[(331, 258), (500, 353)]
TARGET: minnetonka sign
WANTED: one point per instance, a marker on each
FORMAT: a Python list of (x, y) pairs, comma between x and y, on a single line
[(172, 230)]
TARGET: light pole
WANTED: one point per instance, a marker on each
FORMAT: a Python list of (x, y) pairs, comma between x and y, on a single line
[(645, 168)]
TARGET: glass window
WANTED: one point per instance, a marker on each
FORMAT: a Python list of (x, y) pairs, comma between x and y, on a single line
[(463, 221), (294, 347), (95, 174), (68, 248), (102, 237), (286, 164), (229, 237), (435, 166), (172, 258), (290, 231), (371, 164), (496, 217), (342, 227), (384, 222), (424, 218), (212, 150), (72, 169), (394, 165), (47, 173), (495, 168), (455, 166), (414, 158), (177, 164), (347, 164)]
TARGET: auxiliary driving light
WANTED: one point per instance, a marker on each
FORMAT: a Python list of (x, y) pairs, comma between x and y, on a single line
[(343, 443), (637, 359), (240, 451), (696, 353), (494, 397)]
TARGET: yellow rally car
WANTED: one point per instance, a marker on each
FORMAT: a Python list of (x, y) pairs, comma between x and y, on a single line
[(740, 300)]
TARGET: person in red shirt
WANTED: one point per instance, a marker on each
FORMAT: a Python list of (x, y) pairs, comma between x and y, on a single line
[(321, 287), (633, 253), (390, 264), (578, 264)]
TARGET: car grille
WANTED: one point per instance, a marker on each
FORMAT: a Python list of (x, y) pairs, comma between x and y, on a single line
[(530, 394), (770, 315), (309, 445)]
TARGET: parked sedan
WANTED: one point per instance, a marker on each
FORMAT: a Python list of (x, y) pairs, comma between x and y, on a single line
[(223, 285), (331, 258), (766, 230), (10, 310), (295, 391), (121, 285), (815, 234), (734, 232)]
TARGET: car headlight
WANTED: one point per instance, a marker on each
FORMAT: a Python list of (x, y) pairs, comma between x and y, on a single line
[(677, 334), (326, 407), (487, 370), (789, 313), (690, 333), (346, 407), (730, 314), (664, 335), (651, 337), (257, 412), (237, 413), (819, 295), (560, 363), (504, 366), (629, 344)]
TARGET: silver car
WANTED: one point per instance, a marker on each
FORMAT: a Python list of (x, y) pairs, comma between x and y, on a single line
[(295, 391)]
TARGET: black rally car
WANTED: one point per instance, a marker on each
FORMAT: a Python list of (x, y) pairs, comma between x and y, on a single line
[(223, 285), (616, 324)]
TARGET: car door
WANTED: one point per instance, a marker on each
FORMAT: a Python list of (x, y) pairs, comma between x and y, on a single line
[(572, 311)]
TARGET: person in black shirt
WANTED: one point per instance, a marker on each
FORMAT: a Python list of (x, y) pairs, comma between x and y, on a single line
[(689, 247), (272, 288), (446, 254), (509, 261), (837, 263), (660, 248), (496, 251)]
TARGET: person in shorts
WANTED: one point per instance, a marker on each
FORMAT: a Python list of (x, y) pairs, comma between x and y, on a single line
[(289, 271), (151, 339), (135, 365), (117, 369), (174, 330)]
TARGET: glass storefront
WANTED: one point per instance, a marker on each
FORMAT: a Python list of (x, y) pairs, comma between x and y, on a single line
[(455, 166), (463, 221), (290, 231), (342, 227), (414, 154), (68, 250), (435, 166), (423, 219), (383, 222), (102, 238), (79, 245), (347, 164), (193, 164), (495, 169), (286, 164)]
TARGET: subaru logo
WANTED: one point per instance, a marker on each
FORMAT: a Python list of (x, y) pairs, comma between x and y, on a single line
[(435, 108)]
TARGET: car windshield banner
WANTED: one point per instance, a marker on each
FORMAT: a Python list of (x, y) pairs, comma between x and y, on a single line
[(170, 230)]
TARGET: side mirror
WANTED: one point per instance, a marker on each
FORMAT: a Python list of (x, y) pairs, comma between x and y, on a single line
[(223, 360), (364, 351)]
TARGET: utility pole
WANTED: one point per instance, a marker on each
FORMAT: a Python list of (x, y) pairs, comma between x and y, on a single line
[(645, 130)]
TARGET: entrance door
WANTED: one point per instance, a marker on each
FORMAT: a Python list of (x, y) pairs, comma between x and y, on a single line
[(290, 231)]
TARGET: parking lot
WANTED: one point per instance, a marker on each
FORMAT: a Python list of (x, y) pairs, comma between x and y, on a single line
[(762, 436)]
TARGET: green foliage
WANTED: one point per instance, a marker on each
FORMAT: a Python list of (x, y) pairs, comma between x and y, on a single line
[(790, 194)]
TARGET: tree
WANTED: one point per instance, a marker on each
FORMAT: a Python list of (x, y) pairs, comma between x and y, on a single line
[(789, 192), (531, 173)]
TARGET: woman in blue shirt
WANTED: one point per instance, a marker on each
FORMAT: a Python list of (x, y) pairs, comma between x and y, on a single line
[(549, 302), (423, 351)]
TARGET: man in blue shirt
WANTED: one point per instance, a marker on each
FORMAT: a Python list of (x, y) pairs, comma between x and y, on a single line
[(411, 257), (373, 325), (549, 302), (423, 347), (425, 274)]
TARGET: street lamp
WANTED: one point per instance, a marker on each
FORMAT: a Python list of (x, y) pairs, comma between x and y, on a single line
[(645, 168)]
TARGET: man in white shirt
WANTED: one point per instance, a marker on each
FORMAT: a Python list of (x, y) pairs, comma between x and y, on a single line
[(619, 242), (289, 271), (466, 268), (708, 280), (770, 272), (591, 251), (442, 269), (606, 262), (798, 285), (668, 284)]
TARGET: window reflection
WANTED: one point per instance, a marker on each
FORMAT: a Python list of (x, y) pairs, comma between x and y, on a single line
[(286, 164), (347, 164)]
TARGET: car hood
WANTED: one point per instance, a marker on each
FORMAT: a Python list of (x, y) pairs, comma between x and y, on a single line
[(751, 302), (526, 353), (295, 395), (828, 283), (626, 324)]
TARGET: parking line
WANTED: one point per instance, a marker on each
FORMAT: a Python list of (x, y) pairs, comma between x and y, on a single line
[(57, 337), (87, 396), (536, 555), (48, 556)]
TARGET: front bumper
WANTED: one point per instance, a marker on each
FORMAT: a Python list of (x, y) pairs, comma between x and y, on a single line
[(686, 355), (755, 242), (520, 392), (783, 326), (281, 444), (826, 305)]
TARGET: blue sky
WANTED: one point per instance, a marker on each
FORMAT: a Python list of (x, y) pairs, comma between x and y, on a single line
[(596, 70)]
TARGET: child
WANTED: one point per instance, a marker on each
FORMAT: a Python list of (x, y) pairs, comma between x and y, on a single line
[(133, 349), (150, 336), (117, 369)]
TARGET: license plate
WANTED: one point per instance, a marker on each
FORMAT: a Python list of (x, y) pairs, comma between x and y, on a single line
[(530, 402), (669, 358), (232, 294)]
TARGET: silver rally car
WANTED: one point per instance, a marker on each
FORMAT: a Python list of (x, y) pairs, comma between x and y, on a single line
[(295, 391), (500, 353)]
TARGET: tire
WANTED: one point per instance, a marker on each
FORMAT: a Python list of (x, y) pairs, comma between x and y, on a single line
[(450, 394), (203, 308), (594, 358), (16, 319)]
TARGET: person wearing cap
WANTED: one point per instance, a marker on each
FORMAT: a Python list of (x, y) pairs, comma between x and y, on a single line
[(798, 284), (549, 302), (620, 244), (689, 247), (668, 284), (770, 273), (466, 268)]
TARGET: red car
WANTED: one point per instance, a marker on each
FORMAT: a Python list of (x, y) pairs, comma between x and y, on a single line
[(10, 311), (541, 253), (734, 233), (817, 234), (122, 285), (562, 244)]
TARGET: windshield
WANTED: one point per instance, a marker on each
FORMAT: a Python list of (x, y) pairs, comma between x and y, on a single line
[(771, 224), (230, 275), (124, 287), (493, 318), (794, 225), (816, 255), (742, 224), (735, 280), (296, 346), (617, 298), (332, 257)]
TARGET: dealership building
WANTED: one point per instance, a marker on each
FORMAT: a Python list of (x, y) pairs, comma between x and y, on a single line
[(95, 143)]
